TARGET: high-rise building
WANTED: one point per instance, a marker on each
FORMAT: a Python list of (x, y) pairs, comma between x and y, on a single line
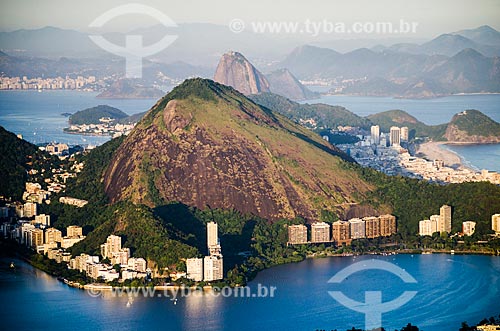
[(297, 234), (341, 232), (395, 136), (212, 268), (137, 264), (30, 209), (372, 227), (213, 239), (495, 223), (42, 219), (445, 218), (375, 134), (468, 228), (113, 245), (436, 224), (320, 232), (212, 235), (404, 133), (425, 228), (357, 226), (194, 269), (387, 225), (52, 235), (121, 257), (74, 231), (36, 238)]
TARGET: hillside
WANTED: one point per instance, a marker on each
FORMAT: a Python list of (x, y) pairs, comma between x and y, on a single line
[(282, 82), (472, 126), (325, 116), (401, 118), (126, 89), (92, 115), (18, 157), (236, 71), (205, 144)]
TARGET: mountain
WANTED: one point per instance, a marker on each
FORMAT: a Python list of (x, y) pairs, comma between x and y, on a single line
[(18, 157), (127, 89), (401, 118), (485, 35), (236, 71), (92, 115), (447, 44), (306, 61), (282, 82), (323, 115), (206, 144), (467, 71), (472, 126)]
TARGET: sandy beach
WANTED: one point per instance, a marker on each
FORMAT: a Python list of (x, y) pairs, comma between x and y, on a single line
[(433, 151)]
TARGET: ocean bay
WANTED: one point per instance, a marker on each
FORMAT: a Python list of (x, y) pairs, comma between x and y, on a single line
[(450, 289)]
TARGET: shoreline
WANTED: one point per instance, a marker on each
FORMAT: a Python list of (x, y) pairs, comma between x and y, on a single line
[(437, 151)]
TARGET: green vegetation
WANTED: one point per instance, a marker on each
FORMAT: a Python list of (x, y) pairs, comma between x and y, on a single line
[(326, 116), (476, 123), (92, 115), (17, 157)]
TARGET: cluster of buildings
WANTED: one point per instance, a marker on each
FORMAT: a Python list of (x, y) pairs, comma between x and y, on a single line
[(210, 267), (343, 232), (436, 223), (58, 83), (105, 128), (384, 152), (442, 223), (38, 235), (112, 250)]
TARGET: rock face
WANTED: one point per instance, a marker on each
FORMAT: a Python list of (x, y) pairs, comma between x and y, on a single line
[(205, 144), (236, 71), (282, 82), (472, 126)]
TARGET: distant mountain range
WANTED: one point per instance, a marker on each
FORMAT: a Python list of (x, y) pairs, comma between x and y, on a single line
[(460, 62)]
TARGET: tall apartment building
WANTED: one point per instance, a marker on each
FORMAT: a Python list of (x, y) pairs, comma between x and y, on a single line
[(375, 134), (113, 245), (495, 223), (42, 219), (468, 228), (35, 238), (341, 232), (445, 218), (395, 136), (194, 269), (357, 226), (436, 223), (213, 242), (424, 228), (30, 209), (297, 234), (212, 268), (387, 225), (74, 231), (372, 227), (320, 232), (404, 133), (52, 235)]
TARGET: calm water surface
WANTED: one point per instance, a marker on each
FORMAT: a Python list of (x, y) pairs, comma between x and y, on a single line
[(451, 289)]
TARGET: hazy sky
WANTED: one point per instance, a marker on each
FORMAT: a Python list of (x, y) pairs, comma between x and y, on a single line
[(433, 16)]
